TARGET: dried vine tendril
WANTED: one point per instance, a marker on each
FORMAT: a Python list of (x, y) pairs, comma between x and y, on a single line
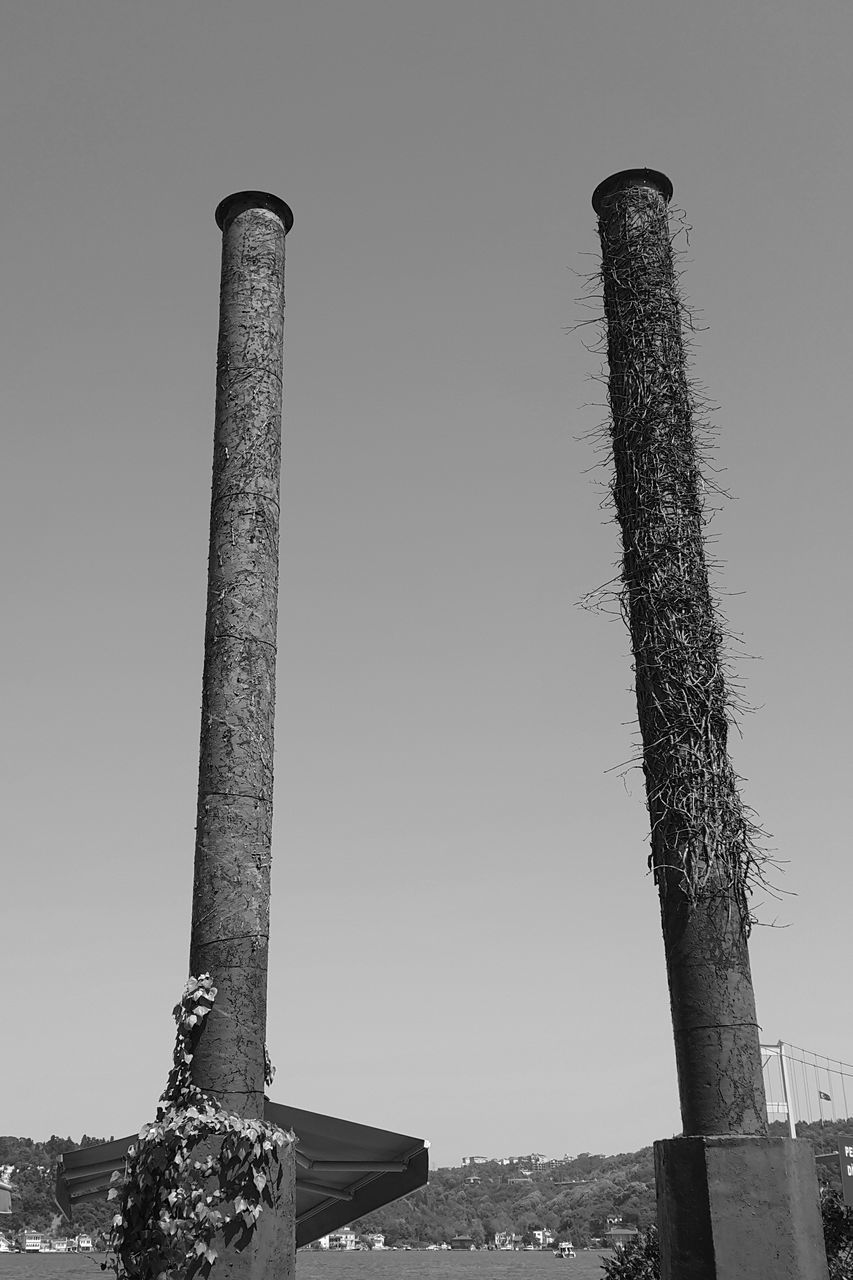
[(705, 841)]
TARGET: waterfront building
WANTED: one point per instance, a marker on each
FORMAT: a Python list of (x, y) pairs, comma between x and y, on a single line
[(345, 1238), (32, 1242), (618, 1237)]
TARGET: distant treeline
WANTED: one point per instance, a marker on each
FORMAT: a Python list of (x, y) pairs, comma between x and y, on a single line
[(573, 1200), (33, 1180)]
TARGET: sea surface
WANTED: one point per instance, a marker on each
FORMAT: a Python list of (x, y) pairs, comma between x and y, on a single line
[(378, 1264)]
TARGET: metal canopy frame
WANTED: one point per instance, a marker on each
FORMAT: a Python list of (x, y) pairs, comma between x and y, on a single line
[(343, 1169)]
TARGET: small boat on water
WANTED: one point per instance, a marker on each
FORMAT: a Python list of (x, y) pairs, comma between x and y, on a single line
[(565, 1250)]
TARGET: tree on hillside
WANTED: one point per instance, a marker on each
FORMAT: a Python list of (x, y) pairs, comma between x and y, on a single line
[(33, 1204), (573, 1228), (16, 1151)]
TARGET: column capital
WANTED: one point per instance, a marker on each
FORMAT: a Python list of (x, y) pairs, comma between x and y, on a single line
[(631, 178), (240, 201)]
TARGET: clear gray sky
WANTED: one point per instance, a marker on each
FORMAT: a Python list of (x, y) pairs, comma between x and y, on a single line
[(465, 940)]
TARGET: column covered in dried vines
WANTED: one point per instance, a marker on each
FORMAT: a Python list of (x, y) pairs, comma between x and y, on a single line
[(230, 919), (703, 854)]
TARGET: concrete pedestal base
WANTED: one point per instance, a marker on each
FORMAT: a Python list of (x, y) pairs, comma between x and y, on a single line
[(733, 1208), (272, 1252)]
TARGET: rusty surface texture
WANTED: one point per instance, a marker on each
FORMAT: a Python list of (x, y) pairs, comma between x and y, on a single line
[(230, 920)]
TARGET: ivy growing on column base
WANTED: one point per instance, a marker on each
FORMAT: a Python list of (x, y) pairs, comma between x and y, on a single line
[(176, 1195)]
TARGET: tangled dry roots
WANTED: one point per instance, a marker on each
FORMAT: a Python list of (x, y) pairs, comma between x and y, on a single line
[(703, 840)]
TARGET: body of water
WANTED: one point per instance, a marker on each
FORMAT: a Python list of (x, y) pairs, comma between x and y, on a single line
[(379, 1264)]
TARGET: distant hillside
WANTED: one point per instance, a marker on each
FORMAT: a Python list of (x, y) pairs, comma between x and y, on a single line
[(32, 1178), (573, 1198)]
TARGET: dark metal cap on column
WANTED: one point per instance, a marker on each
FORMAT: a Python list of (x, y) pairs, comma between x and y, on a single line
[(617, 182), (239, 201)]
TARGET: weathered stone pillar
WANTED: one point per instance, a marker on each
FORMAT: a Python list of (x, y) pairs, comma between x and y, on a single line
[(703, 853), (231, 888), (231, 891)]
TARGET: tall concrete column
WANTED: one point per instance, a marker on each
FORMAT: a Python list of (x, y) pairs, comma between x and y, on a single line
[(231, 891), (732, 1202), (700, 840)]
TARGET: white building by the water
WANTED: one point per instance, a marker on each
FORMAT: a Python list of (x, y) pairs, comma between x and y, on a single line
[(344, 1238)]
